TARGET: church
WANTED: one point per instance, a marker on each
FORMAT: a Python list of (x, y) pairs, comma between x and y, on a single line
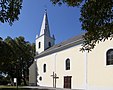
[(63, 65)]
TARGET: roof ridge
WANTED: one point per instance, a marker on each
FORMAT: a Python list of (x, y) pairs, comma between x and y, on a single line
[(65, 44)]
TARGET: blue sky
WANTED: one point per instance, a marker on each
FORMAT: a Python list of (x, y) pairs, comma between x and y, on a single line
[(63, 21)]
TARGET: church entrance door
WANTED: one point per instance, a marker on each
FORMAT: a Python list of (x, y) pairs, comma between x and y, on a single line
[(67, 81)]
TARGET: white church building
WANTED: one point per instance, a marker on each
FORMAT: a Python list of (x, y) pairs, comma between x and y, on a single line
[(63, 65)]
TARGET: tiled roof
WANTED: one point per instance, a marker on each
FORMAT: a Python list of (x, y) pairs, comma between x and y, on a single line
[(63, 45)]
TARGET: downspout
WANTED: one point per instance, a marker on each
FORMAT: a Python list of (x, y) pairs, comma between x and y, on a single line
[(55, 71), (86, 69), (55, 63)]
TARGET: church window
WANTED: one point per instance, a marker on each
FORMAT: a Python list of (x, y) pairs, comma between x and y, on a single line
[(67, 64), (44, 68), (40, 78), (39, 45), (109, 57), (49, 44)]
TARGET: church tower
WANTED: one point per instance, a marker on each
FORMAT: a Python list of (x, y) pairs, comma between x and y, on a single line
[(44, 40)]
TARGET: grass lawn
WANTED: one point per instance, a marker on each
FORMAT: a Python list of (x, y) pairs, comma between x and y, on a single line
[(7, 86), (12, 88)]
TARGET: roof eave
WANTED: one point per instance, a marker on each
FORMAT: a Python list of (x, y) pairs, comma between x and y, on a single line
[(68, 45)]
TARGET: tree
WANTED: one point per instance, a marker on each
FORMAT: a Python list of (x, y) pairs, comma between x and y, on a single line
[(9, 10), (26, 57), (72, 3), (16, 55), (6, 58), (4, 80), (12, 66), (96, 18)]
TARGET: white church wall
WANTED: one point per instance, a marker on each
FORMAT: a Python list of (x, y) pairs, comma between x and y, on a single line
[(76, 67), (56, 62), (88, 70), (46, 77), (100, 76)]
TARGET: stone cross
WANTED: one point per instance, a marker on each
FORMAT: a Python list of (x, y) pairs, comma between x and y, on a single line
[(54, 79)]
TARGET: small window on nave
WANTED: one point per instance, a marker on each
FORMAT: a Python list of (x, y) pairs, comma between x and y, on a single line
[(109, 57), (67, 64), (39, 45), (44, 68)]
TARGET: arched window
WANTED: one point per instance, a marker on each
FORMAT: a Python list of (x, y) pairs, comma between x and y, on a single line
[(109, 57), (44, 68), (67, 64), (39, 45), (49, 44)]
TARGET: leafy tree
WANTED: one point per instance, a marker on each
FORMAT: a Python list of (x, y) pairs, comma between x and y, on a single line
[(26, 57), (9, 10), (4, 79), (12, 70), (16, 55), (96, 18), (6, 58), (72, 3)]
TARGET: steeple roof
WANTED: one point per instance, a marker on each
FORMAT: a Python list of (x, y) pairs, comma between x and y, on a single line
[(45, 26)]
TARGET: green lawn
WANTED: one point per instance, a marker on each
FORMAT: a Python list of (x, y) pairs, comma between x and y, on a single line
[(12, 88), (7, 86)]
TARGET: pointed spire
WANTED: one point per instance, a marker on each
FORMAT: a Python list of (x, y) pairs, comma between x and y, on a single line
[(45, 25)]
